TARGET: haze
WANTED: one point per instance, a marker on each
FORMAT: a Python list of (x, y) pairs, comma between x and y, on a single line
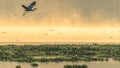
[(60, 21)]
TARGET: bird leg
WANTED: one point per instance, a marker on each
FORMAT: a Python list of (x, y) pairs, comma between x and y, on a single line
[(24, 13), (34, 9)]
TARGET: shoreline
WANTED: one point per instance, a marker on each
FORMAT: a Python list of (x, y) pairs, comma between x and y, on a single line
[(43, 43)]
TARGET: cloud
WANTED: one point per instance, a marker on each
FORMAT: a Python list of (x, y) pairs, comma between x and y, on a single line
[(3, 32), (51, 30), (45, 33), (63, 12)]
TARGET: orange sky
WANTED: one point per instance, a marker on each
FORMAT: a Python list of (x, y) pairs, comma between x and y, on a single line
[(60, 21)]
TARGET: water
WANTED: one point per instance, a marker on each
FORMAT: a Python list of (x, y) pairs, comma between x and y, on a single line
[(40, 43), (110, 64)]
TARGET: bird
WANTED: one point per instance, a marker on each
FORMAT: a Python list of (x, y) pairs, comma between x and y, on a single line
[(111, 37), (29, 8)]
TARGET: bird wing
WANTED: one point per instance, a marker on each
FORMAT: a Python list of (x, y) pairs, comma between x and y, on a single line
[(32, 4), (24, 7)]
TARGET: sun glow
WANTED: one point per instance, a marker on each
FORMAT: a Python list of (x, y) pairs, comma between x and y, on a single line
[(59, 34)]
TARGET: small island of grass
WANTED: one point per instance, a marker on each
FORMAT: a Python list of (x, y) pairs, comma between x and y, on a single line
[(18, 66), (75, 66)]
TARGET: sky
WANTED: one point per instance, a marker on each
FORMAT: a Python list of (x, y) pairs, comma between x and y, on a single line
[(60, 21)]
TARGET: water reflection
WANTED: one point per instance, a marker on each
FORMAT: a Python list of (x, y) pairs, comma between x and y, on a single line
[(109, 64)]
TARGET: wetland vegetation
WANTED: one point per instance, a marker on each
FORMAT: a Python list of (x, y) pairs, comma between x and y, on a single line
[(60, 52), (75, 66), (18, 66)]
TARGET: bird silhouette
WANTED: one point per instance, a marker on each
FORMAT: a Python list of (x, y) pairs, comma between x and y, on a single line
[(29, 8)]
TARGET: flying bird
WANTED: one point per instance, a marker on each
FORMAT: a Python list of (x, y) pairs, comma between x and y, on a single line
[(111, 37), (30, 7)]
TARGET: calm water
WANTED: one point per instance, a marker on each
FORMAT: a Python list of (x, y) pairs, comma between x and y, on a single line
[(39, 43), (110, 64)]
